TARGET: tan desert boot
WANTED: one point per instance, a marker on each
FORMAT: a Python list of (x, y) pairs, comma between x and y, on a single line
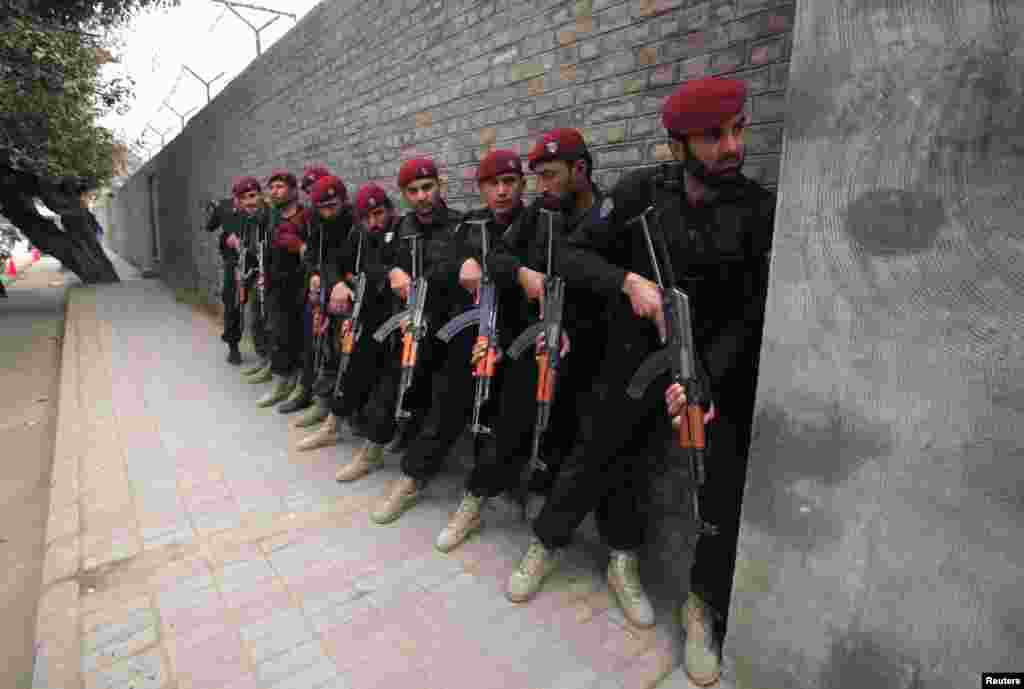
[(283, 387), (536, 565), (255, 368), (363, 462), (264, 375), (464, 522), (328, 434), (314, 415), (624, 580), (297, 392), (701, 656), (403, 494)]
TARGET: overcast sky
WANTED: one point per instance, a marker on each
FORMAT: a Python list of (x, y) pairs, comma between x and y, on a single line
[(202, 34)]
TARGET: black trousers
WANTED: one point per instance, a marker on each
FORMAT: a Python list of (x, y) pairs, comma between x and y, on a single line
[(257, 322), (720, 502), (499, 464), (286, 313), (370, 383), (451, 407), (369, 368), (233, 323), (310, 343), (607, 471)]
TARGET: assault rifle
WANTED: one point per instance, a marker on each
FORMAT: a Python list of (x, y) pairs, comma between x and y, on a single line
[(549, 356), (318, 310), (678, 356), (351, 328), (415, 330), (261, 240), (485, 315)]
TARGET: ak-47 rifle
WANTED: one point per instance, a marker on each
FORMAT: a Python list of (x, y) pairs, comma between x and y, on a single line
[(243, 272), (318, 312), (262, 231), (678, 356), (351, 327), (485, 315), (549, 356), (416, 329)]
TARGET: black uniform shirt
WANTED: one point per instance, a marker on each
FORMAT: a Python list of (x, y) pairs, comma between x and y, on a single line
[(720, 255), (324, 247)]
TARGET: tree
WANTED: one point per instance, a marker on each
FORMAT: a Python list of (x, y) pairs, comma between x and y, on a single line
[(51, 96)]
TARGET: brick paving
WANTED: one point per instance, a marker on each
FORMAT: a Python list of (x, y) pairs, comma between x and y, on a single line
[(190, 546)]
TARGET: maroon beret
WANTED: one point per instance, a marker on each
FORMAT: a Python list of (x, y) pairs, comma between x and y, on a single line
[(499, 162), (415, 169), (558, 144), (243, 185), (282, 176), (703, 104), (328, 191), (371, 196), (311, 174)]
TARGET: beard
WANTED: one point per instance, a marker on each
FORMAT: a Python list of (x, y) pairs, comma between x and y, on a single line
[(562, 203), (725, 183), (429, 213)]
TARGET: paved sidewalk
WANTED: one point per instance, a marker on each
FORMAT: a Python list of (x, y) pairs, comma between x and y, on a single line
[(190, 546)]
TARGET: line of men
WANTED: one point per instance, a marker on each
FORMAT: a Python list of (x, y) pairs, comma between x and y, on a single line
[(643, 309)]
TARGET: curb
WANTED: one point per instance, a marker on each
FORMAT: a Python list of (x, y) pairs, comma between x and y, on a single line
[(57, 636)]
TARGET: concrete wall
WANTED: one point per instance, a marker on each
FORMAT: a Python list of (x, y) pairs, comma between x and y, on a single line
[(882, 522), (361, 86)]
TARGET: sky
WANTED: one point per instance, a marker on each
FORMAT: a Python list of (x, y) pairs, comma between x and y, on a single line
[(202, 34)]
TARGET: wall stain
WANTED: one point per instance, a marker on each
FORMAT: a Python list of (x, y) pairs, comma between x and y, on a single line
[(858, 660), (826, 445), (894, 221)]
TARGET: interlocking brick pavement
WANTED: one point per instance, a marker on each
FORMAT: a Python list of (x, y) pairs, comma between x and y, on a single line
[(190, 546)]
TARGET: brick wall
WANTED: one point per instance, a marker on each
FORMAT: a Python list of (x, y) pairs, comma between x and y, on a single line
[(361, 86)]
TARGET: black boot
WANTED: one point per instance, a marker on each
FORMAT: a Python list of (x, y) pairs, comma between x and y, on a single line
[(359, 424), (234, 356)]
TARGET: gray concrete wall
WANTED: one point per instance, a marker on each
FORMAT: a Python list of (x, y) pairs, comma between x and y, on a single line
[(882, 522), (361, 86), (126, 222)]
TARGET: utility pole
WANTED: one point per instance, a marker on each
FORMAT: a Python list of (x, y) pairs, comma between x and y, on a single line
[(180, 115), (231, 5), (204, 81)]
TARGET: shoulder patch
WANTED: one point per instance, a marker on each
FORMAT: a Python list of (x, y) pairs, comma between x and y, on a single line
[(607, 206)]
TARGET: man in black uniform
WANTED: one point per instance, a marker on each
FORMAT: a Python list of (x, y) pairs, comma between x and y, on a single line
[(240, 218), (719, 236), (329, 228), (435, 226), (285, 289), (517, 265), (301, 396), (371, 375)]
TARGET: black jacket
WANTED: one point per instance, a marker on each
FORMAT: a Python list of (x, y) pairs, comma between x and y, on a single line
[(325, 244), (378, 256), (440, 260), (720, 254), (526, 245)]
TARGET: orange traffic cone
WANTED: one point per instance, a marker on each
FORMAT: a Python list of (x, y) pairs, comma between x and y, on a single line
[(12, 270), (35, 254)]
